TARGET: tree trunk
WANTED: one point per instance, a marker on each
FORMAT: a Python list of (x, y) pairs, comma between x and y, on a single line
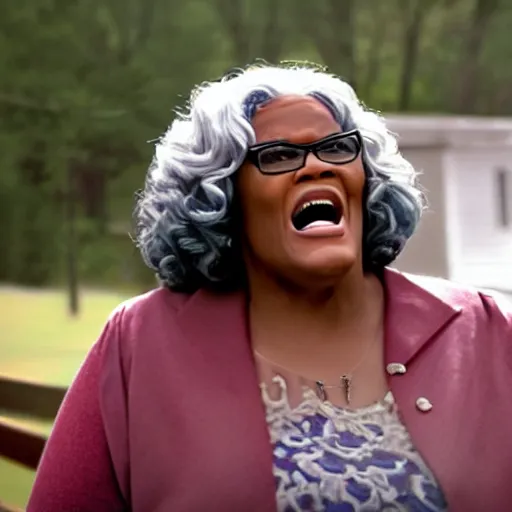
[(259, 36), (330, 24), (343, 20), (233, 16), (71, 253), (411, 42), (273, 36), (466, 91), (374, 57), (92, 191)]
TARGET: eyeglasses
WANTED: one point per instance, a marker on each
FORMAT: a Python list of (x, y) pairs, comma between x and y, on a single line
[(278, 157)]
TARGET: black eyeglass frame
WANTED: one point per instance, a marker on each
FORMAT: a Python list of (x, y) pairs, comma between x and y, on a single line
[(253, 151)]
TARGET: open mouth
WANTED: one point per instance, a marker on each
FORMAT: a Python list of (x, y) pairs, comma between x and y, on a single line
[(317, 213)]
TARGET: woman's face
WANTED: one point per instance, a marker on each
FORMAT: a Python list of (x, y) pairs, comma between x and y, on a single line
[(324, 241)]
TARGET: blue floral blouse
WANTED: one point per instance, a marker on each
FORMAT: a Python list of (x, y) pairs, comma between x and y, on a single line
[(327, 458)]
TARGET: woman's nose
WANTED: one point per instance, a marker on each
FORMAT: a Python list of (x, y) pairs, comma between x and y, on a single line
[(314, 169)]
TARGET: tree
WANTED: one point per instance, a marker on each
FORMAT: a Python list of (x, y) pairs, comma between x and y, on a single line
[(414, 13), (331, 27), (254, 28), (469, 75), (84, 85)]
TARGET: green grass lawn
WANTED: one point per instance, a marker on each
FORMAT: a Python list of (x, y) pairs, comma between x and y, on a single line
[(40, 342)]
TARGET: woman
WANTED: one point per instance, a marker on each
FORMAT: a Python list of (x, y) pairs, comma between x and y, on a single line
[(282, 365)]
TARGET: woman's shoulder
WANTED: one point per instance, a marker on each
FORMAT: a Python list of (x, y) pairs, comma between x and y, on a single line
[(466, 298), (141, 329), (151, 303), (145, 318)]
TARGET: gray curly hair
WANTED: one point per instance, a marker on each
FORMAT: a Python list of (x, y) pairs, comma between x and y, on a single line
[(186, 218)]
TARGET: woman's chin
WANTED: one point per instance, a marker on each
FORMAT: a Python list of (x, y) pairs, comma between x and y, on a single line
[(328, 262)]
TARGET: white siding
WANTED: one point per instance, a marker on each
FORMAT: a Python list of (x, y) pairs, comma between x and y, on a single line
[(484, 252), (428, 251), (460, 237)]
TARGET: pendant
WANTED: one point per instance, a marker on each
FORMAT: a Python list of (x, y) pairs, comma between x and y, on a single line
[(320, 390), (346, 385)]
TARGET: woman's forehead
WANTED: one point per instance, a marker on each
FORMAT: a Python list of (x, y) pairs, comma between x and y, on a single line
[(293, 118)]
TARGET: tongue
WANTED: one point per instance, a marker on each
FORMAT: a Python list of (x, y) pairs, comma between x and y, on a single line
[(318, 224)]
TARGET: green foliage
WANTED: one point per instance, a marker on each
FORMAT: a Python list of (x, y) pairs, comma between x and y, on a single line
[(84, 84), (113, 261)]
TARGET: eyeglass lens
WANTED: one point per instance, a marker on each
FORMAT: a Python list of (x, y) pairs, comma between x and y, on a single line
[(283, 157)]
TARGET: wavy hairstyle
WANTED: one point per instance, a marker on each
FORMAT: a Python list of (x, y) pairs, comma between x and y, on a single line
[(186, 216)]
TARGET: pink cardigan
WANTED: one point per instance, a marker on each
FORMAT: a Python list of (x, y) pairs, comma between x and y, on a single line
[(166, 414)]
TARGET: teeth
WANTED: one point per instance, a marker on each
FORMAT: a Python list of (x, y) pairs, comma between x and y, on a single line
[(316, 201)]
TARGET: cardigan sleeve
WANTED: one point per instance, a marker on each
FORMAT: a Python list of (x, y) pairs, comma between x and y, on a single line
[(76, 472)]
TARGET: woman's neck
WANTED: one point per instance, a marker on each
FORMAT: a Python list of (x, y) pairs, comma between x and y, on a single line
[(349, 309)]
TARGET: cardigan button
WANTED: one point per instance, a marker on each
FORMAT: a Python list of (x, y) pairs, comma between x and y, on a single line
[(423, 404), (396, 368)]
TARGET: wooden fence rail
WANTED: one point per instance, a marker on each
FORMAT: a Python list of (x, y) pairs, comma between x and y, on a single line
[(28, 400), (21, 445), (5, 508), (36, 400)]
